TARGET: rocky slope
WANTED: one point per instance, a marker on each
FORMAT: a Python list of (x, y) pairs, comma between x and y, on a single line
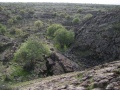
[(97, 39), (103, 77)]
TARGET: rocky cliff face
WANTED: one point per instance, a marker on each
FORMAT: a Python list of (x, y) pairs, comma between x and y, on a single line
[(97, 40)]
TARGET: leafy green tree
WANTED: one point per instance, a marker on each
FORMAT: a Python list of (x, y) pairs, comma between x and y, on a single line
[(31, 51), (2, 29), (76, 21), (38, 24), (64, 38), (53, 28)]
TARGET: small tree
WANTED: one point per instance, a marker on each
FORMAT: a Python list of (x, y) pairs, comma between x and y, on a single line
[(2, 29), (52, 29), (30, 51), (76, 21), (64, 38), (22, 13), (38, 24), (79, 10), (87, 16)]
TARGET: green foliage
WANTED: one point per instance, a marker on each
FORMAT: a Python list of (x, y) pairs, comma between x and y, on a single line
[(87, 16), (76, 20), (62, 15), (13, 20), (10, 21), (52, 29), (1, 8), (18, 71), (68, 17), (18, 17), (16, 31), (2, 29), (31, 50), (22, 13), (38, 24), (79, 10), (63, 38)]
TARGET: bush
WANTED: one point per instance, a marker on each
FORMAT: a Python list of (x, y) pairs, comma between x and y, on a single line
[(63, 38), (10, 21), (79, 10), (16, 31), (1, 8), (52, 29), (2, 29), (68, 17), (13, 20), (30, 51), (18, 17), (22, 13), (76, 21), (88, 16), (38, 24)]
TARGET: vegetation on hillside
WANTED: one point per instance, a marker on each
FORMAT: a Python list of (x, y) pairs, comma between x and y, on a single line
[(2, 29), (31, 51), (52, 27)]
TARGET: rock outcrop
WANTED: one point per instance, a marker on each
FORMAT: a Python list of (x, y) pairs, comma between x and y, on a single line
[(103, 77), (97, 40), (57, 64)]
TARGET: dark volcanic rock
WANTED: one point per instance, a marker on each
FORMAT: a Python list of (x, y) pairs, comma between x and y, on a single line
[(61, 64), (97, 41)]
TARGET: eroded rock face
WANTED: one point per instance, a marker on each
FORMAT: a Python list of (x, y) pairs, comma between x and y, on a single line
[(96, 40), (58, 64), (65, 63), (55, 64)]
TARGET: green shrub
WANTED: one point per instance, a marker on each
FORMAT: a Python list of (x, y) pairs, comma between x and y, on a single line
[(52, 29), (62, 15), (13, 20), (16, 31), (79, 10), (1, 8), (76, 21), (68, 17), (38, 24), (18, 17), (22, 13), (2, 29), (88, 16), (63, 38), (30, 51), (18, 71), (10, 21)]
